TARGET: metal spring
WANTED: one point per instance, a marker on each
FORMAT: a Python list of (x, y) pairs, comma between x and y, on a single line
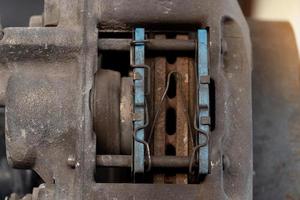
[(147, 93), (196, 148), (143, 141), (178, 76), (199, 131), (146, 144), (195, 126)]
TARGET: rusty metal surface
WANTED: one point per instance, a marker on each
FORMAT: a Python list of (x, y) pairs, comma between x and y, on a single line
[(106, 111), (126, 110), (124, 161), (159, 139), (151, 44), (56, 66), (31, 98), (47, 102), (121, 14), (171, 129), (182, 89)]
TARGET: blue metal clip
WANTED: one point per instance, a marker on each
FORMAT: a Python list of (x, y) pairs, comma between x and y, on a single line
[(203, 100), (139, 101)]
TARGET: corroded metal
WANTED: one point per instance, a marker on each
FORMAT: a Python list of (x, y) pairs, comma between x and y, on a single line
[(173, 132), (50, 76), (151, 44), (183, 82), (126, 111), (106, 111), (112, 101), (159, 139), (168, 162)]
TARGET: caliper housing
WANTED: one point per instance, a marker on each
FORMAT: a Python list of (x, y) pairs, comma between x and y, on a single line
[(139, 99)]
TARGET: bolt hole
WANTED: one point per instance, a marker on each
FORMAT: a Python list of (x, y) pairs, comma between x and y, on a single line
[(170, 150), (172, 87), (171, 121)]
